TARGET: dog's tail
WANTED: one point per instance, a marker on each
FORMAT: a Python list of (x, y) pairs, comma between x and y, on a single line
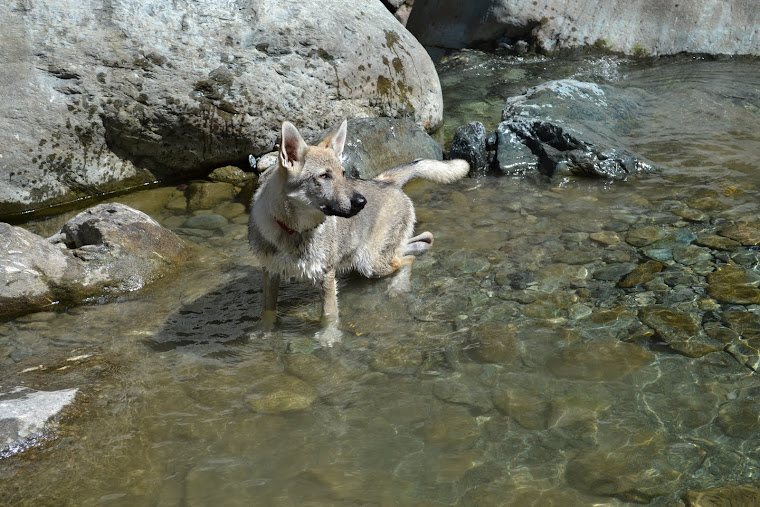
[(439, 171)]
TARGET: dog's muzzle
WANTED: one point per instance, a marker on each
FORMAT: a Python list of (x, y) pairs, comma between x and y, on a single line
[(358, 201)]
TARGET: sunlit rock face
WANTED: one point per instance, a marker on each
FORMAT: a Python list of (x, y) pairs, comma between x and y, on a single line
[(101, 95), (105, 250), (633, 27)]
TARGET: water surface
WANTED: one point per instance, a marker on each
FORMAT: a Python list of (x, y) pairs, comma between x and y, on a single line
[(516, 371)]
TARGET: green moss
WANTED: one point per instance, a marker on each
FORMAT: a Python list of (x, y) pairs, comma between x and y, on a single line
[(639, 51), (603, 45), (325, 55), (384, 85), (391, 39)]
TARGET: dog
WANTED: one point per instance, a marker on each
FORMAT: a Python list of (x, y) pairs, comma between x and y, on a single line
[(311, 222)]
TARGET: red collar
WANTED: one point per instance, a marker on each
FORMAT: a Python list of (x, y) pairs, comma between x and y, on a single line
[(285, 227)]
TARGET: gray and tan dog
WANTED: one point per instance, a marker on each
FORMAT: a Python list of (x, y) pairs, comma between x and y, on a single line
[(309, 221)]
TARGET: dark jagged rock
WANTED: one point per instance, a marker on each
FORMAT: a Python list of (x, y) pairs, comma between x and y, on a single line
[(469, 143), (569, 127)]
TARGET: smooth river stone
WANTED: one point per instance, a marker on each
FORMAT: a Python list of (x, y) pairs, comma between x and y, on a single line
[(641, 274), (746, 234), (643, 236), (599, 360), (723, 495), (280, 393), (717, 242), (731, 284), (678, 330)]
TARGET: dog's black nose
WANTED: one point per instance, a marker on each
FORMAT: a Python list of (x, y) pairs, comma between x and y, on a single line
[(358, 202)]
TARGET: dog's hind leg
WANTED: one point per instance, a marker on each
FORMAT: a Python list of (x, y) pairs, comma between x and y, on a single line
[(270, 290), (419, 244), (401, 283)]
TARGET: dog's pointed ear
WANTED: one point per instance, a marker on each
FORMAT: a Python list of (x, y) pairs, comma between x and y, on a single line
[(292, 147), (338, 140)]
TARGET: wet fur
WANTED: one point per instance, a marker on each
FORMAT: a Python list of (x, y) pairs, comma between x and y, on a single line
[(309, 221)]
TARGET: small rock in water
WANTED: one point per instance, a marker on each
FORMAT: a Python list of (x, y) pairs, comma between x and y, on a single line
[(280, 393), (643, 236), (605, 237), (691, 254), (746, 234), (643, 273), (716, 242), (732, 284), (527, 407), (614, 271), (231, 174), (207, 221), (739, 418), (24, 411), (632, 473), (512, 155), (463, 391), (206, 195), (230, 210), (691, 214), (493, 342), (599, 360), (723, 495), (678, 330), (659, 254)]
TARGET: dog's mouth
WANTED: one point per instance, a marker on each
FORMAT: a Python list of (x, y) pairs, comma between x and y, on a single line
[(336, 212)]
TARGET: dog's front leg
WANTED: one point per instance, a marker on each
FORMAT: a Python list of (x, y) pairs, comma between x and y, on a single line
[(270, 291), (329, 298), (330, 334)]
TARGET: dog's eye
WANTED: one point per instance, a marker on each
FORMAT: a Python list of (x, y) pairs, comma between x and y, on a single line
[(326, 176)]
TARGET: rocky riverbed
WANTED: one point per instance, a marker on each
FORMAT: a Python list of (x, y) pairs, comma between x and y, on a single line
[(567, 340)]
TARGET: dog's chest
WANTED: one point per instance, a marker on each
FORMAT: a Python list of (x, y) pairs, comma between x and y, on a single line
[(302, 256)]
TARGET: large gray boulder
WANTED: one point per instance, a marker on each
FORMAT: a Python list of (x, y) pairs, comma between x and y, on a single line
[(108, 249), (376, 144), (655, 27), (99, 95)]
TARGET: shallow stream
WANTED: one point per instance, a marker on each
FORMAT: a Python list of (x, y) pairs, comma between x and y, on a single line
[(522, 368)]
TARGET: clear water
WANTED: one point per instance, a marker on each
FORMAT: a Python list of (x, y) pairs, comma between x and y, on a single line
[(512, 374)]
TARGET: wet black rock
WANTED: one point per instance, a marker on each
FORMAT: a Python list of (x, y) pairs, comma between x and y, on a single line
[(469, 143), (513, 156)]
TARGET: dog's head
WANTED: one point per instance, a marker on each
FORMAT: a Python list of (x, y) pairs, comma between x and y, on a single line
[(315, 175)]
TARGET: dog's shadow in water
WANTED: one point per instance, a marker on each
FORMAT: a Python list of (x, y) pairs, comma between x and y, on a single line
[(224, 319)]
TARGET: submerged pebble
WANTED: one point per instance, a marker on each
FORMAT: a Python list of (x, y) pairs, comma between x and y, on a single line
[(600, 360), (280, 393), (207, 221)]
